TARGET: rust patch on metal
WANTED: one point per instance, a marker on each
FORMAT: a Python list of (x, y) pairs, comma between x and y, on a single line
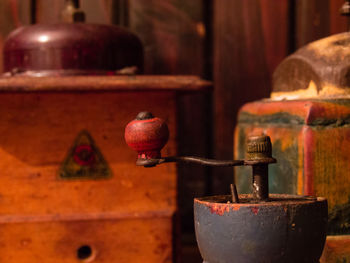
[(235, 207), (219, 209), (247, 200), (255, 210), (222, 208)]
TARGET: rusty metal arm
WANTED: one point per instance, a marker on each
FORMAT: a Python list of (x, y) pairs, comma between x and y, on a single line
[(148, 134)]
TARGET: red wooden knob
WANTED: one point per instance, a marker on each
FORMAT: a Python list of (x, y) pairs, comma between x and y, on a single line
[(147, 135)]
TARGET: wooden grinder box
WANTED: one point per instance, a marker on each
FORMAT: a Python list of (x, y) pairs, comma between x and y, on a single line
[(69, 187)]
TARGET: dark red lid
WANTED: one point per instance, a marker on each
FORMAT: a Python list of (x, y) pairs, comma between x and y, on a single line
[(71, 49)]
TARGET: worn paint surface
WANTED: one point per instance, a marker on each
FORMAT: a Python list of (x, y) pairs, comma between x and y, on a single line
[(147, 136), (311, 144), (330, 165), (339, 219), (335, 112), (283, 176), (308, 161)]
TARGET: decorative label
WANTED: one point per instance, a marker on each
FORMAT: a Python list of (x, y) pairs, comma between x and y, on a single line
[(84, 160)]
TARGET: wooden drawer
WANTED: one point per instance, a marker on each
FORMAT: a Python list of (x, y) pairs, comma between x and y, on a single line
[(101, 240)]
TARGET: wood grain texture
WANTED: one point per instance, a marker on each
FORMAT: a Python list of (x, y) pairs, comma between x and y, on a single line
[(111, 83), (315, 19), (244, 57), (177, 49), (338, 24), (39, 129), (96, 11), (146, 241), (172, 32), (337, 249), (126, 218), (13, 13), (275, 23), (48, 11), (174, 35), (312, 21)]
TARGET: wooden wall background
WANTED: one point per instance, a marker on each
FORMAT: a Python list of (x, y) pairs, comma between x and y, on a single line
[(235, 43)]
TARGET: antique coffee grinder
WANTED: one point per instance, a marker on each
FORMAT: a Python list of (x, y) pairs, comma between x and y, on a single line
[(307, 118), (257, 227), (69, 191)]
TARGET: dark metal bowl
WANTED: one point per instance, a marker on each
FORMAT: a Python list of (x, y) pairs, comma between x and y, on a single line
[(287, 228)]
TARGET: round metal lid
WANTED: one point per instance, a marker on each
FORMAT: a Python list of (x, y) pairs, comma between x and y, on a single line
[(72, 49)]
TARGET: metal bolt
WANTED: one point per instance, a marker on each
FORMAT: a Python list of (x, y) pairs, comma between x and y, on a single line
[(144, 115), (259, 154)]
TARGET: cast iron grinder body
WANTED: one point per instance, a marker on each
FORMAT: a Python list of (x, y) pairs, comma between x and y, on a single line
[(259, 227), (284, 229)]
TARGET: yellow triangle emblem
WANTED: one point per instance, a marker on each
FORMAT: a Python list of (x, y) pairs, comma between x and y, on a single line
[(84, 160)]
